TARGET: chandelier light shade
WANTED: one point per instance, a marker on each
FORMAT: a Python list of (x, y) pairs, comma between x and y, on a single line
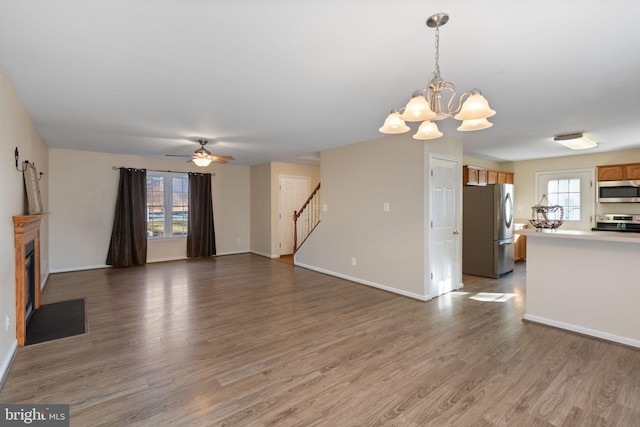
[(394, 124), (427, 130), (474, 108), (474, 124), (576, 141), (417, 110), (438, 101)]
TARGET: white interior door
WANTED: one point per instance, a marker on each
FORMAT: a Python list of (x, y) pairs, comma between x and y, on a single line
[(444, 255), (294, 191)]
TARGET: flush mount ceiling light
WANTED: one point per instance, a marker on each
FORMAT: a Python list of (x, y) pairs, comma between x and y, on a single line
[(437, 100), (576, 141)]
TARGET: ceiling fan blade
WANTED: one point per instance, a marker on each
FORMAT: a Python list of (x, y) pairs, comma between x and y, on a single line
[(218, 159), (224, 157), (177, 155)]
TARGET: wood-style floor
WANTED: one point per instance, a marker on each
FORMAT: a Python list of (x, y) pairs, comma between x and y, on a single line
[(242, 340)]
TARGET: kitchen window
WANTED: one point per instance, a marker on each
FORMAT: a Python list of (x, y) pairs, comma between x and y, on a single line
[(167, 204), (566, 193), (573, 191)]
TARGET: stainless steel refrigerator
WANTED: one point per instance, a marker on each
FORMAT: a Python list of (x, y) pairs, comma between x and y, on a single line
[(487, 230)]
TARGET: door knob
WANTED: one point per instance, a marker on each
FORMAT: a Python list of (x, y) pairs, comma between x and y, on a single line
[(455, 232)]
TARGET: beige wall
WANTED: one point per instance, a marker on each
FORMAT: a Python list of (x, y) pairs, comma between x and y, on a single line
[(265, 232), (488, 164), (389, 247), (260, 209), (16, 130), (287, 169), (525, 185), (83, 188)]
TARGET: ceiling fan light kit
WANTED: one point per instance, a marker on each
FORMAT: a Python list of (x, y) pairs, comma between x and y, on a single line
[(201, 161), (203, 157), (436, 102)]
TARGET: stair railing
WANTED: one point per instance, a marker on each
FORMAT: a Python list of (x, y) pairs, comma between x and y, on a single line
[(306, 219)]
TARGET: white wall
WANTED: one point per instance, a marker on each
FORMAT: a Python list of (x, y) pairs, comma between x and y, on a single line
[(16, 130), (83, 190), (389, 247)]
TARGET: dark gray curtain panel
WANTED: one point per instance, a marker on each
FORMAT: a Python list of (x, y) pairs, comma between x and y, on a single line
[(128, 245), (201, 237)]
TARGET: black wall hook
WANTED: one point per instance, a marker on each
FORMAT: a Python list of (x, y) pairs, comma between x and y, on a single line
[(26, 162), (26, 165)]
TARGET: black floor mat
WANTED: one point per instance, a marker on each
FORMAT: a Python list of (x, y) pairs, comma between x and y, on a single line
[(55, 321)]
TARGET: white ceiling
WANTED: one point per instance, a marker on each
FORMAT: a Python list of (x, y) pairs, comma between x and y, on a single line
[(279, 80)]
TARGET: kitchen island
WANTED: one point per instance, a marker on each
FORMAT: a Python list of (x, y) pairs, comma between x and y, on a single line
[(586, 282)]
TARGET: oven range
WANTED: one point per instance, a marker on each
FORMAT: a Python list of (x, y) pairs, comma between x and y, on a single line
[(617, 222)]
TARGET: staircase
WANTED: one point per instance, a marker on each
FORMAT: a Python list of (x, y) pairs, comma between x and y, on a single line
[(306, 219)]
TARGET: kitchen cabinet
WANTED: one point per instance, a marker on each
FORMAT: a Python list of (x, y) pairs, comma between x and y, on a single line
[(632, 171), (474, 175), (519, 243), (519, 247), (619, 172)]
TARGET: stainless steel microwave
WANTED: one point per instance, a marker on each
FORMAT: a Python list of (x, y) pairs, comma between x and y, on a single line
[(618, 191)]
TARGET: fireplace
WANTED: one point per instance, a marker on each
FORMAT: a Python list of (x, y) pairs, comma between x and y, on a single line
[(29, 291), (26, 232)]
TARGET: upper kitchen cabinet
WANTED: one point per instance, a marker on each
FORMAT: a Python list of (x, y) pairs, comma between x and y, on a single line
[(474, 175), (619, 172), (632, 171)]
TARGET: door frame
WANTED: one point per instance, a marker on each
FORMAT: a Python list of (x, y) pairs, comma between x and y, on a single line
[(457, 267), (590, 204), (279, 213)]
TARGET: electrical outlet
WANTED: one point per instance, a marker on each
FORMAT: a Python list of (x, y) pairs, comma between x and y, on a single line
[(238, 240), (385, 207), (353, 261), (7, 322)]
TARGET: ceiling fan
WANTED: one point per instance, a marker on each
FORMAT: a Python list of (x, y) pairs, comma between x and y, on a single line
[(203, 157)]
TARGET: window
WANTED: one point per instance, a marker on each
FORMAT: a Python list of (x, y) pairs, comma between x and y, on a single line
[(573, 191), (566, 193), (167, 204)]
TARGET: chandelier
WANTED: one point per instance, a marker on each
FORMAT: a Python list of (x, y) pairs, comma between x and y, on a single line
[(438, 101)]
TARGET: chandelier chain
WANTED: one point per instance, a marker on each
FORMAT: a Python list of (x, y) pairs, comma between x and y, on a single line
[(436, 73)]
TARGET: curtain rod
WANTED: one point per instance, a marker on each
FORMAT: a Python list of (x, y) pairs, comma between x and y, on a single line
[(156, 170)]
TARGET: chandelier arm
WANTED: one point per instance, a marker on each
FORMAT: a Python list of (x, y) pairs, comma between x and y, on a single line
[(460, 102), (452, 89)]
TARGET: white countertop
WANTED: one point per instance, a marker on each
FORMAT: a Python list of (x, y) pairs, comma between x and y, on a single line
[(604, 236)]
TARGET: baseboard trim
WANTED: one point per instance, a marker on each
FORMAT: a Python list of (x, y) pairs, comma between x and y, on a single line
[(87, 267), (264, 254), (364, 282), (246, 251), (583, 331), (6, 363)]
